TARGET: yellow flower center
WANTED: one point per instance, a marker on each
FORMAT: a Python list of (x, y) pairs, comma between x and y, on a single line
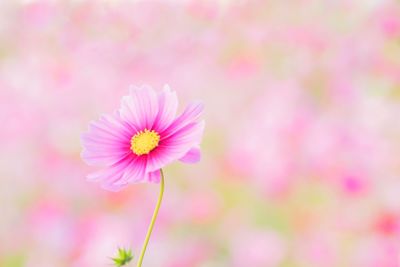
[(144, 141)]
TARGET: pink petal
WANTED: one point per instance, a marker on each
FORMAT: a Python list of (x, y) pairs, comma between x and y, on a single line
[(110, 127), (107, 141), (189, 115), (154, 177), (96, 158), (129, 170), (168, 105), (134, 173), (192, 156), (175, 146), (140, 108), (113, 187), (157, 159), (110, 175)]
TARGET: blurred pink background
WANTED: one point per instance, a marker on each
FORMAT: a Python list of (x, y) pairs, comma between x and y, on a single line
[(301, 155)]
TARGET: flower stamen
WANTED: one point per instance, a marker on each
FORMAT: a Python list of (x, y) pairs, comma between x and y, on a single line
[(144, 141)]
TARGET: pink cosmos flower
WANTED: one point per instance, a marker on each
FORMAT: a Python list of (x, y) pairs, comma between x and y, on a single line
[(143, 136)]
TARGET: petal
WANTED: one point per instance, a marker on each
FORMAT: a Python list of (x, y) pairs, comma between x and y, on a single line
[(140, 108), (110, 175), (101, 158), (167, 107), (113, 187), (189, 115), (157, 159), (175, 146), (154, 177), (192, 156), (135, 172), (107, 141)]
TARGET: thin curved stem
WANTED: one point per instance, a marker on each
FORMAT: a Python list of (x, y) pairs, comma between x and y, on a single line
[(153, 219)]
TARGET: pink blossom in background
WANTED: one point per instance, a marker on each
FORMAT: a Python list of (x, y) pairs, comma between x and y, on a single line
[(259, 249)]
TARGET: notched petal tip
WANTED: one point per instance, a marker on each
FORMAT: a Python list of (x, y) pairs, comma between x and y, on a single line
[(94, 176), (167, 88), (113, 187), (194, 110), (192, 156), (133, 87), (90, 159)]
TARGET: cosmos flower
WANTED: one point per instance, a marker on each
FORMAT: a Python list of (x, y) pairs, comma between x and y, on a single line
[(143, 136)]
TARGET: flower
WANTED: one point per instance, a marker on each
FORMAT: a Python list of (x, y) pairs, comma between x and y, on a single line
[(143, 136)]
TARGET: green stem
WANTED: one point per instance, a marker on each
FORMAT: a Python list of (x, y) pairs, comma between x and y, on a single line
[(153, 219)]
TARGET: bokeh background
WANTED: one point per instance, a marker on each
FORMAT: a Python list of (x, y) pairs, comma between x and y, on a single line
[(301, 154)]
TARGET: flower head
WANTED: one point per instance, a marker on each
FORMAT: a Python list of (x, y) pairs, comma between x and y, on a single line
[(143, 136)]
